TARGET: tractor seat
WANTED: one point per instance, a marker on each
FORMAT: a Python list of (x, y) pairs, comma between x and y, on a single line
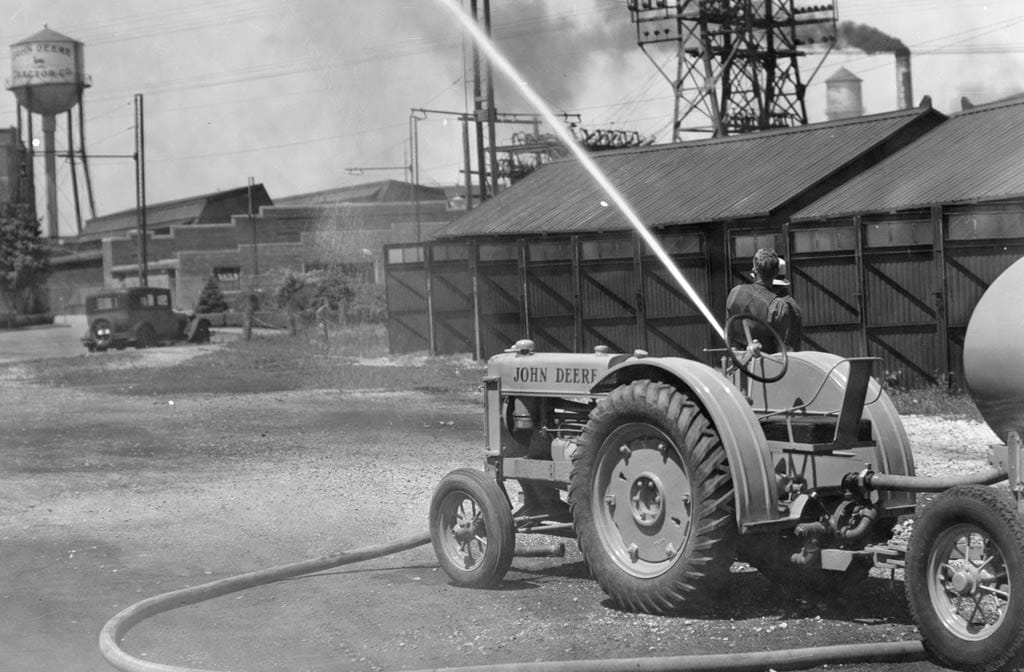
[(816, 429)]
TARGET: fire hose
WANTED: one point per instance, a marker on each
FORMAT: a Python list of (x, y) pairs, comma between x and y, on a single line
[(116, 628)]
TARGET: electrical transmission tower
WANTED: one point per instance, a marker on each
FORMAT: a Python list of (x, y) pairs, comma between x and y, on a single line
[(736, 66)]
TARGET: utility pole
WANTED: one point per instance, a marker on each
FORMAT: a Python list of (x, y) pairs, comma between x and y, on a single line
[(140, 189)]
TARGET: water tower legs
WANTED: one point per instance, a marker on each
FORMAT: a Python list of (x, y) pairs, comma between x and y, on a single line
[(50, 162)]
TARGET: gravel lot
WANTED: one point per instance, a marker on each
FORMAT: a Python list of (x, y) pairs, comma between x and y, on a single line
[(107, 498)]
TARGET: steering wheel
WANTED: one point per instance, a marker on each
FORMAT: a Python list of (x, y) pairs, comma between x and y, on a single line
[(752, 350)]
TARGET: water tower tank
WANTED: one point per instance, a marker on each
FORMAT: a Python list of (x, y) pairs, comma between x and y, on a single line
[(843, 97), (47, 72)]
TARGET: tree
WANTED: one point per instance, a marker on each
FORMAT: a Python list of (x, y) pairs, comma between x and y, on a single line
[(24, 259), (211, 299)]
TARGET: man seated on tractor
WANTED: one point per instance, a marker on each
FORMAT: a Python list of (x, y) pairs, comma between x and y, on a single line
[(759, 299)]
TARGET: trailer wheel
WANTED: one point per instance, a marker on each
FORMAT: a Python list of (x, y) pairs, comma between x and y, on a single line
[(965, 579), (652, 499), (471, 528)]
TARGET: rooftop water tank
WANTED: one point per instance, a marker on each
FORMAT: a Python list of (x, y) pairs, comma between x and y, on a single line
[(843, 96)]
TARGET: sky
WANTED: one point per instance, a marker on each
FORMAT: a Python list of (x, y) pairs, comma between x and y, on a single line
[(295, 94)]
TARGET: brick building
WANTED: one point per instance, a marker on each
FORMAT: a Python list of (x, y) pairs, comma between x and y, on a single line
[(190, 239)]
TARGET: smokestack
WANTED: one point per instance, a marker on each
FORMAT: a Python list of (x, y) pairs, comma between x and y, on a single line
[(873, 41), (904, 84)]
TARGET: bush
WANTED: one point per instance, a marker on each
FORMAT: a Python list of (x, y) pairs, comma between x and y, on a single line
[(211, 299)]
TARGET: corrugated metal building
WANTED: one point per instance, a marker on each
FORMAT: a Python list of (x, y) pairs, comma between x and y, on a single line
[(549, 260), (892, 262), (893, 224)]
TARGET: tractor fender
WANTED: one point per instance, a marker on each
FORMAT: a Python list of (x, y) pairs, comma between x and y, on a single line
[(742, 438)]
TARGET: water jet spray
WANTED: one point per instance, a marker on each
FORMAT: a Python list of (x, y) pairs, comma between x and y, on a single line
[(498, 59)]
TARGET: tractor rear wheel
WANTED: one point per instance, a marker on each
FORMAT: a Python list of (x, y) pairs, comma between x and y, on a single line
[(471, 528), (652, 499), (965, 570)]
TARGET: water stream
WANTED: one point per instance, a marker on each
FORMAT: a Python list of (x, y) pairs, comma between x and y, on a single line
[(499, 61)]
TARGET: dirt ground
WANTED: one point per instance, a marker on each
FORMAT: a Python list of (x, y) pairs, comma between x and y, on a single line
[(106, 499)]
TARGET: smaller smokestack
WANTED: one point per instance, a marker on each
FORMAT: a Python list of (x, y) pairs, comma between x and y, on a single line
[(843, 96), (904, 83)]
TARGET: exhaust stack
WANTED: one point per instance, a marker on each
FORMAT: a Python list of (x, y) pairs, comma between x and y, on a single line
[(904, 83)]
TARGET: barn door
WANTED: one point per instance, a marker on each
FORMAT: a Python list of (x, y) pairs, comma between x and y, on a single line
[(451, 298), (499, 292), (609, 293), (825, 281), (405, 279), (551, 295), (903, 293), (673, 325)]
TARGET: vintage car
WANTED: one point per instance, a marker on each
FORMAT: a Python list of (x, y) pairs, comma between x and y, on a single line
[(141, 317)]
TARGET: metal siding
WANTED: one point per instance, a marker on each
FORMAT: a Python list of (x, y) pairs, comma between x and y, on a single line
[(674, 325), (842, 342), (910, 352), (825, 288), (618, 336), (608, 304), (452, 298), (608, 289), (664, 298), (407, 324), (407, 332), (900, 288), (498, 295), (969, 272), (549, 289)]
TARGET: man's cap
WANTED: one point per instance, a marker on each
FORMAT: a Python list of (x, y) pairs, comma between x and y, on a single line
[(780, 278)]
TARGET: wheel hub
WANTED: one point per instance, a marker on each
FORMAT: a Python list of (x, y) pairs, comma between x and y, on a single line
[(646, 500), (964, 582)]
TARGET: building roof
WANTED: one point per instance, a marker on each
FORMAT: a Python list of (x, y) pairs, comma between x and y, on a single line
[(975, 156), (744, 176), (383, 191), (215, 208)]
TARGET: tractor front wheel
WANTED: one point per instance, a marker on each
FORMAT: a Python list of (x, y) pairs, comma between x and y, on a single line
[(965, 570), (652, 499), (471, 528)]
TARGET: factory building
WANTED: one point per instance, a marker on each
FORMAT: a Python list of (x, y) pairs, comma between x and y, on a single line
[(189, 240), (550, 260)]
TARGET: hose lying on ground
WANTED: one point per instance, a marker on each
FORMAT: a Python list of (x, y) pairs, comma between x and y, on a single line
[(788, 659)]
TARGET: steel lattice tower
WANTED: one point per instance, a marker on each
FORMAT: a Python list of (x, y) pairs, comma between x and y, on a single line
[(736, 66)]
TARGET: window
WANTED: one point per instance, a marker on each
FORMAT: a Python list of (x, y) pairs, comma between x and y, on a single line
[(106, 302), (606, 248), (682, 243), (833, 239), (986, 225), (745, 245), (405, 255), (898, 234), (227, 277), (554, 250), (505, 251), (162, 300), (450, 252)]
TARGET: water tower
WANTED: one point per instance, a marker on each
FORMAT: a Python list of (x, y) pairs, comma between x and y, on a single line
[(47, 78)]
